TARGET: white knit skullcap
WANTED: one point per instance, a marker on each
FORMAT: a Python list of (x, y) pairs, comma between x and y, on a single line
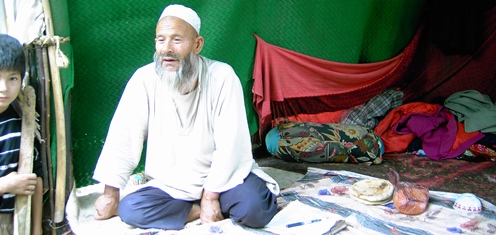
[(184, 13)]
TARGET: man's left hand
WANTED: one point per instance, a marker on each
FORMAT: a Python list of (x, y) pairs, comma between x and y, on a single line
[(210, 208)]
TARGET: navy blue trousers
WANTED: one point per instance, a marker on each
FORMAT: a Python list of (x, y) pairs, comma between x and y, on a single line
[(250, 203)]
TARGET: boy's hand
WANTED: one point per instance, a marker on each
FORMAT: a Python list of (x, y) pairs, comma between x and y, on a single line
[(18, 184)]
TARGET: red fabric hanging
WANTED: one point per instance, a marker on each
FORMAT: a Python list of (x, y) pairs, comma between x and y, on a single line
[(287, 83)]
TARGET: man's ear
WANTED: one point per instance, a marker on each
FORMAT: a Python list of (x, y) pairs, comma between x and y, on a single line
[(199, 44)]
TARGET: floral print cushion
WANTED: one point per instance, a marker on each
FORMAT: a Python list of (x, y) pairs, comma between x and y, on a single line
[(328, 142)]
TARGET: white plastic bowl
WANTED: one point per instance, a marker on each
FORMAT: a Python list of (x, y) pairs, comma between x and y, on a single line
[(468, 202)]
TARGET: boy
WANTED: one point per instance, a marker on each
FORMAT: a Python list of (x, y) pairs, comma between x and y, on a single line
[(12, 69)]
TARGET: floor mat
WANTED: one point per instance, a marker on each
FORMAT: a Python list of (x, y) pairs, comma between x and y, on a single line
[(326, 190)]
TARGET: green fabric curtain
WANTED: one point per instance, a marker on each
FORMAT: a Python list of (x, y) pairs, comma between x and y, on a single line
[(111, 39)]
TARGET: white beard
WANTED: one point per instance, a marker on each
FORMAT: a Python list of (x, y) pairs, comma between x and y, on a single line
[(184, 79)]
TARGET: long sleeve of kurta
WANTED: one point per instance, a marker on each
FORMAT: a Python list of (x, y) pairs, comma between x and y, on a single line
[(124, 143)]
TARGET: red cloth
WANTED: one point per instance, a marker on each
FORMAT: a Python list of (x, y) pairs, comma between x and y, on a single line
[(396, 137), (464, 140), (394, 142), (287, 83), (325, 117)]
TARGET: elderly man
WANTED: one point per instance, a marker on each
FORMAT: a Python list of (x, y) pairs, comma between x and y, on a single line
[(190, 110)]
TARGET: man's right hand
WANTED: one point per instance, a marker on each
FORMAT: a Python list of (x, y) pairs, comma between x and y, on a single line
[(107, 204)]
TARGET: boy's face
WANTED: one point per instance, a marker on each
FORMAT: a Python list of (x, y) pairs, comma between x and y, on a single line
[(10, 86)]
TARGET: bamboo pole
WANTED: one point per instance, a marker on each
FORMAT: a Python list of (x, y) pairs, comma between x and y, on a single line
[(22, 215), (60, 197)]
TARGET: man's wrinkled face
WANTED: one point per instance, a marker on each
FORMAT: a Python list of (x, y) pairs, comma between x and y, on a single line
[(177, 46)]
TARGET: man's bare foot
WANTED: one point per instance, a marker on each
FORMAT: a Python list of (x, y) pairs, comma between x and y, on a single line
[(194, 213)]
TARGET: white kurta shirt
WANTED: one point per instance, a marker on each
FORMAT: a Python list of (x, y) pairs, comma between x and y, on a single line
[(194, 142)]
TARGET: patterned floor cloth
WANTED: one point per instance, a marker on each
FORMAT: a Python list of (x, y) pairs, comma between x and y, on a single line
[(327, 191), (324, 189)]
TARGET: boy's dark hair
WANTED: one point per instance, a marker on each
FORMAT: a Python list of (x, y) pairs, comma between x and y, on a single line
[(12, 54)]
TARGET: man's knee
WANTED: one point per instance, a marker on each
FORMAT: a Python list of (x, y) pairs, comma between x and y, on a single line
[(251, 203), (254, 213), (128, 214)]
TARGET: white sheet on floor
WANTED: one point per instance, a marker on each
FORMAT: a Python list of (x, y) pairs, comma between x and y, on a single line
[(80, 211)]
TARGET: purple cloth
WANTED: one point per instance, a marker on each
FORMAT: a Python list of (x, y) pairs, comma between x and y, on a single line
[(437, 131)]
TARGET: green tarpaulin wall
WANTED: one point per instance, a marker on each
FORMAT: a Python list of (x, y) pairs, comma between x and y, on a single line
[(112, 38)]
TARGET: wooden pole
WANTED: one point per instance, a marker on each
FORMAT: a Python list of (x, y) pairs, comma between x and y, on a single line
[(22, 215), (44, 107), (60, 197)]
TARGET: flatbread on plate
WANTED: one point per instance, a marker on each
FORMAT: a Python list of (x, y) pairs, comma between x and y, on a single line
[(372, 203), (372, 191)]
